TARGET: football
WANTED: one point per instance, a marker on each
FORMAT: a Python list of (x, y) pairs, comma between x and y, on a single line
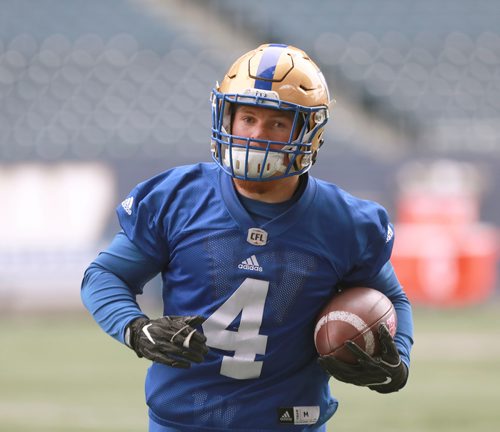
[(353, 314)]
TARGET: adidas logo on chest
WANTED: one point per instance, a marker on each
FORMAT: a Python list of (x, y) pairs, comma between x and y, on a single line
[(250, 264)]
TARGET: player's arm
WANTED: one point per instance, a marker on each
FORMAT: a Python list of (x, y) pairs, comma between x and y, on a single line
[(109, 290), (387, 282), (389, 372)]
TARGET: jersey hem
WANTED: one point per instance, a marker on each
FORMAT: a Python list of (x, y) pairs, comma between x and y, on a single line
[(197, 428)]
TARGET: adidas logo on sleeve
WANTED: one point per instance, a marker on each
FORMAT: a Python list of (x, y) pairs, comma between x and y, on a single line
[(250, 264), (127, 205), (389, 235)]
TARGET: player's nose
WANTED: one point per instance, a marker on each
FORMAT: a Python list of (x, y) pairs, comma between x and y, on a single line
[(259, 133)]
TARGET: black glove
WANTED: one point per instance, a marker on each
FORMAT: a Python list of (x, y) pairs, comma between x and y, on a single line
[(171, 340), (384, 374)]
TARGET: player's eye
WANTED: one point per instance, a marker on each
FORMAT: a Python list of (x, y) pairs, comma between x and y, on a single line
[(282, 124), (247, 119)]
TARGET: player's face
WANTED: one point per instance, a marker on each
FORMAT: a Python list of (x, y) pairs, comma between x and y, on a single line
[(262, 123), (265, 124)]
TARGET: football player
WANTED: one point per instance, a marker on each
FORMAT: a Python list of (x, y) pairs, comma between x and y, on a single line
[(250, 248)]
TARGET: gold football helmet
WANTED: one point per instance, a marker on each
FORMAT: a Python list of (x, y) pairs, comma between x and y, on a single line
[(280, 77)]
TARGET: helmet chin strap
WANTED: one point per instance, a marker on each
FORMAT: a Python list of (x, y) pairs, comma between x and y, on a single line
[(253, 166)]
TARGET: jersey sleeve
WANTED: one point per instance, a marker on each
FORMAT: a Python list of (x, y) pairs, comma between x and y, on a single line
[(387, 282), (111, 283), (373, 238), (141, 217)]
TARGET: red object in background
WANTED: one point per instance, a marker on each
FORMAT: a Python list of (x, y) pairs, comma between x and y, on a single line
[(442, 255), (446, 266), (425, 207)]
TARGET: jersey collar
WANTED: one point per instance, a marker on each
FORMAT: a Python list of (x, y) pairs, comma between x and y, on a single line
[(277, 226)]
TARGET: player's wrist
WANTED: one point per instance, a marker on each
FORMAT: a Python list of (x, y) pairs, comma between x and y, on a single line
[(401, 376), (131, 330)]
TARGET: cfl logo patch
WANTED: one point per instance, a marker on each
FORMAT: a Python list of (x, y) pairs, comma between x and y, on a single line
[(257, 237)]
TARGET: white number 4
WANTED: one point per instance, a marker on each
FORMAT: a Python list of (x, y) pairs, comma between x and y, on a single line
[(246, 342)]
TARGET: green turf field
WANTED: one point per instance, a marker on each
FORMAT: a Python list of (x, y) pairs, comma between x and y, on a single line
[(60, 373)]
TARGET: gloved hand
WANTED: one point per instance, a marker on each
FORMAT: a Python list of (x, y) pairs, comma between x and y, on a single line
[(384, 374), (170, 340)]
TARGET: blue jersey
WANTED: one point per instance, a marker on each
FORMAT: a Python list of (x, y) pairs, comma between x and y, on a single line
[(260, 288)]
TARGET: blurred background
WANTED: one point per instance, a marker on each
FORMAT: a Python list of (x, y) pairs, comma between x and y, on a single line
[(98, 95)]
